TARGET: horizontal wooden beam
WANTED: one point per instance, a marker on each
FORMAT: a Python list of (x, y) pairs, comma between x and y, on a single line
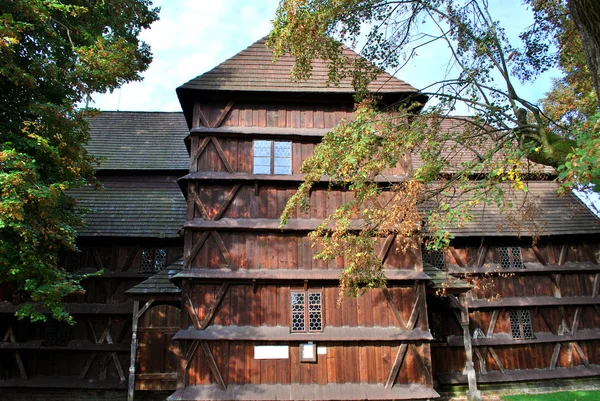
[(530, 268), (282, 333), (292, 178), (540, 338), (64, 382), (266, 132), (523, 375), (529, 302), (156, 376), (286, 274), (296, 391)]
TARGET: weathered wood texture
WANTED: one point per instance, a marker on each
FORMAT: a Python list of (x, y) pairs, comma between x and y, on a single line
[(564, 333), (157, 355), (290, 250)]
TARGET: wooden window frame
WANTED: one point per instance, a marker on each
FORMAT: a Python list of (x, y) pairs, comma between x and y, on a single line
[(515, 264), (521, 323), (272, 156), (307, 311), (153, 251)]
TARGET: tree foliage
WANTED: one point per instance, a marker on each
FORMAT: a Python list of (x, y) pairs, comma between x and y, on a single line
[(508, 139), (53, 55)]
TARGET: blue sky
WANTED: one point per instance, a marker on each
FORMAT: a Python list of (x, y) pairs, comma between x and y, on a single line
[(194, 36)]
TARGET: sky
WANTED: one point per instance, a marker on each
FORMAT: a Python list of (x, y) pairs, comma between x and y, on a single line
[(193, 36)]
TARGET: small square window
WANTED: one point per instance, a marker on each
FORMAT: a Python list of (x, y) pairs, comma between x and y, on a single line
[(434, 258), (510, 258), (272, 157), (307, 311), (153, 260), (520, 324)]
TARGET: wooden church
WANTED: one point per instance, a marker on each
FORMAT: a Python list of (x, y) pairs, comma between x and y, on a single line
[(206, 297)]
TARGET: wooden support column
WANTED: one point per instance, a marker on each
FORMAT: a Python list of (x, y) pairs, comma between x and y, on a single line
[(472, 394), (137, 313)]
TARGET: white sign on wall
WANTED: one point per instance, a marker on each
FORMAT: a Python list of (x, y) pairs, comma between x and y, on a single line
[(271, 352)]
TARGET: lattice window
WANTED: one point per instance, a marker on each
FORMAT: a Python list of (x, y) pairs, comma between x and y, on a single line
[(307, 311), (272, 157), (434, 258), (57, 333), (520, 324), (510, 258), (153, 260)]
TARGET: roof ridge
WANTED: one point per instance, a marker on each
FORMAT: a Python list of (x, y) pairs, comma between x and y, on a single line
[(264, 75)]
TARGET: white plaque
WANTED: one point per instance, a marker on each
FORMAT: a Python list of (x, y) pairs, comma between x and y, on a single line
[(271, 352), (322, 350)]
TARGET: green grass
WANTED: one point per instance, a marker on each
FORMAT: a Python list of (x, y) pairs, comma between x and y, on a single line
[(592, 395)]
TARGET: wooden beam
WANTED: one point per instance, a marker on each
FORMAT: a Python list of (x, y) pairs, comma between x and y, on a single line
[(390, 301), (202, 117), (189, 306), (197, 203), (481, 256), (555, 354), (584, 359), (385, 248), (222, 156), (575, 325), (215, 305), (133, 354), (196, 248), (227, 201), (456, 257), (496, 359), (482, 360), (564, 249), (196, 153), (589, 252), (217, 123), (213, 365), (596, 288), (424, 366), (493, 320), (538, 254), (146, 306), (184, 363), (224, 250), (396, 365), (97, 259), (542, 312)]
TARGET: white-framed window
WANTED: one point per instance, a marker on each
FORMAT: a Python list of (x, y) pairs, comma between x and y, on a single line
[(272, 157), (520, 324), (307, 311), (510, 258), (153, 260)]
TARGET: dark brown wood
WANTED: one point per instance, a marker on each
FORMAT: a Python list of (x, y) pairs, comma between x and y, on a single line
[(538, 254), (395, 310), (200, 176), (456, 257), (481, 255), (189, 306), (9, 338), (129, 261), (224, 251), (134, 345), (213, 365), (217, 123), (262, 132), (214, 306), (563, 254), (184, 364), (396, 365), (227, 201), (195, 249), (222, 156), (531, 301)]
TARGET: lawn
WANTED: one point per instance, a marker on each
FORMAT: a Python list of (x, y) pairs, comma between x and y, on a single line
[(591, 395)]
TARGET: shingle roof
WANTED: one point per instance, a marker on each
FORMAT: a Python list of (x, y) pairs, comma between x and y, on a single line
[(253, 69), (544, 213), (139, 140), (132, 211), (160, 283)]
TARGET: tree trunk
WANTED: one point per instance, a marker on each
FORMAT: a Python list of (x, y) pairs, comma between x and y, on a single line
[(586, 15)]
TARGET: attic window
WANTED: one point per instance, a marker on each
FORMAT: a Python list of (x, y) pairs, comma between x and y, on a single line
[(434, 258), (510, 258), (307, 311), (272, 157), (153, 260), (520, 324)]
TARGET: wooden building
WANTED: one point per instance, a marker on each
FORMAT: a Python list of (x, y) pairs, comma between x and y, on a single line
[(132, 232), (216, 301)]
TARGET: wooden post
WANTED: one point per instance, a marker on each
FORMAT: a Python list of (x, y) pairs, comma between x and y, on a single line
[(472, 394), (134, 327)]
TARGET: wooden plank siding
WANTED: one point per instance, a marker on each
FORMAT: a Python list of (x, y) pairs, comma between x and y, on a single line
[(557, 286), (232, 227)]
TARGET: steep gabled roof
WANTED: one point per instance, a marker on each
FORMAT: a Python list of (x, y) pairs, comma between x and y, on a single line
[(139, 140), (253, 69)]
